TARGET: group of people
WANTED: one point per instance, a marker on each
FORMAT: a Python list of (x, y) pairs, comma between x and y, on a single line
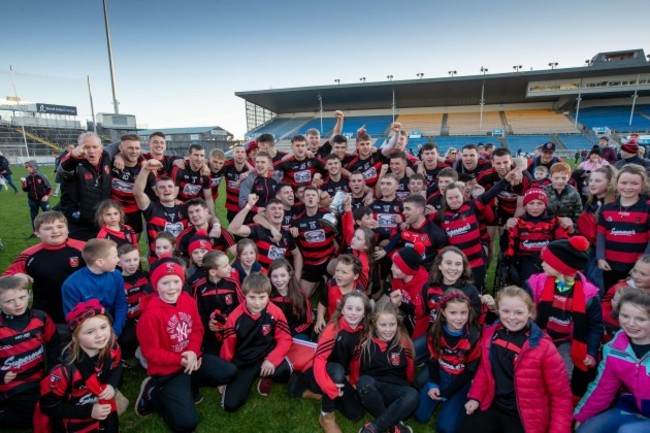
[(355, 277)]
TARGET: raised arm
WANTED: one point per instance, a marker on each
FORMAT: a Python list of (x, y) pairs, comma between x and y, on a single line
[(141, 199)]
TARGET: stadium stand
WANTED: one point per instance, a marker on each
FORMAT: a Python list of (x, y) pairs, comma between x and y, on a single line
[(468, 123), (538, 122), (527, 143), (428, 124), (281, 126), (577, 141), (328, 126), (376, 126), (616, 118)]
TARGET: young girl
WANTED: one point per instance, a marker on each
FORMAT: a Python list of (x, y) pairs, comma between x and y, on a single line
[(455, 350), (165, 243), (386, 372), (110, 220), (569, 308), (290, 298), (361, 241), (334, 356), (521, 384), (217, 295), (246, 261), (199, 246), (625, 365), (79, 395), (528, 234), (602, 190), (624, 226), (639, 278), (462, 220)]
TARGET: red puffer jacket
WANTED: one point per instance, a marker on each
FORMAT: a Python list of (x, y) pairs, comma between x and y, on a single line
[(541, 383)]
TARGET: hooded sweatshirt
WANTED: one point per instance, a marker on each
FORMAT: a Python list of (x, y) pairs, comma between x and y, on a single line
[(36, 185)]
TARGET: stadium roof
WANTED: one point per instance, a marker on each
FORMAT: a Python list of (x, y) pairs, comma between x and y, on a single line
[(506, 88), (176, 131)]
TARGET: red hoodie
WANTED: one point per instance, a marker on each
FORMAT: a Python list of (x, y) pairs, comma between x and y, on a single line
[(412, 302), (165, 331)]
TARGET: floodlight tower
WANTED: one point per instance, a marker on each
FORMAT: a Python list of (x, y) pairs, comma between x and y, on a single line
[(109, 45)]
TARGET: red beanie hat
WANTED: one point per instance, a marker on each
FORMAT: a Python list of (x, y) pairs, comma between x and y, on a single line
[(82, 311), (166, 265), (535, 194), (408, 260), (630, 147), (567, 256), (199, 240)]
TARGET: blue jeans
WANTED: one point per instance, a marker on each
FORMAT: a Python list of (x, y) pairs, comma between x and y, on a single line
[(34, 205), (615, 421), (10, 182), (387, 402), (421, 349), (451, 414)]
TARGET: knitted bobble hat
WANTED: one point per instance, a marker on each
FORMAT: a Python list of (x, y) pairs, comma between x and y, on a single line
[(408, 260), (567, 256)]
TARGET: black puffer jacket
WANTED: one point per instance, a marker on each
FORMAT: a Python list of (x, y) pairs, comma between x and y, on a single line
[(84, 187)]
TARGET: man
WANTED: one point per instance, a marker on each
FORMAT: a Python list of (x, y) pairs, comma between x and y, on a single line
[(357, 186), (194, 177), (266, 143), (87, 181), (285, 194), (607, 152), (469, 162), (334, 182), (157, 148), (387, 210), (122, 180), (546, 158), (234, 172), (315, 242), (397, 166), (299, 169), (630, 155), (430, 166), (313, 138), (369, 163), (417, 229), (200, 219), (269, 249), (164, 215)]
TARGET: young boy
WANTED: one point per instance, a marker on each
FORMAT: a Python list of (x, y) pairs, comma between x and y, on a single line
[(409, 277), (136, 287), (170, 334), (541, 176), (38, 190), (28, 342), (417, 184), (99, 280), (48, 264), (257, 340), (346, 274), (563, 199)]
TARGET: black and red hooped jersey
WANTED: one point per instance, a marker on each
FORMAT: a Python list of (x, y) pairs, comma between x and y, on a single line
[(164, 219), (122, 187), (269, 250), (215, 182), (463, 231), (222, 243), (531, 235), (507, 199), (384, 212), (126, 235), (626, 230), (316, 242), (231, 176), (456, 352), (331, 187), (136, 286), (300, 172), (190, 183), (369, 167), (24, 352)]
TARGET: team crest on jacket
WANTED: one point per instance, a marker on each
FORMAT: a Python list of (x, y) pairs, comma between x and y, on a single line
[(266, 329), (228, 299), (394, 359), (74, 261)]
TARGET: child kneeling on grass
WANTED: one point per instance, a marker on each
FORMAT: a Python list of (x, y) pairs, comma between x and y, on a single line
[(257, 340), (170, 333)]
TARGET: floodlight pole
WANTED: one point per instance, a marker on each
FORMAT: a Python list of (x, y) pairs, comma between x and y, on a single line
[(22, 122), (92, 107), (578, 99), (109, 45), (320, 110), (480, 123), (392, 105), (634, 100)]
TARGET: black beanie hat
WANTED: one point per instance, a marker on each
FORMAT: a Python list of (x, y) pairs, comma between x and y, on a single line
[(567, 256), (408, 260)]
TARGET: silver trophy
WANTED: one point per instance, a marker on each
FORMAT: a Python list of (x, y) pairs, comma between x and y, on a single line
[(330, 219)]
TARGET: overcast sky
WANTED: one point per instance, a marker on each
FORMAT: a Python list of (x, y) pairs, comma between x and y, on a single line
[(180, 63)]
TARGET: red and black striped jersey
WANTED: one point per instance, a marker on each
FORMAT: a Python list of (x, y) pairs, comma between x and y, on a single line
[(136, 287), (431, 175), (463, 231), (126, 235), (456, 352), (298, 324), (122, 187), (190, 183), (384, 212), (316, 242), (626, 230), (290, 214), (429, 234), (300, 172), (215, 182), (217, 300), (476, 171), (25, 351), (49, 266), (251, 338), (369, 167), (231, 176), (269, 250), (531, 235), (507, 199), (163, 219)]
